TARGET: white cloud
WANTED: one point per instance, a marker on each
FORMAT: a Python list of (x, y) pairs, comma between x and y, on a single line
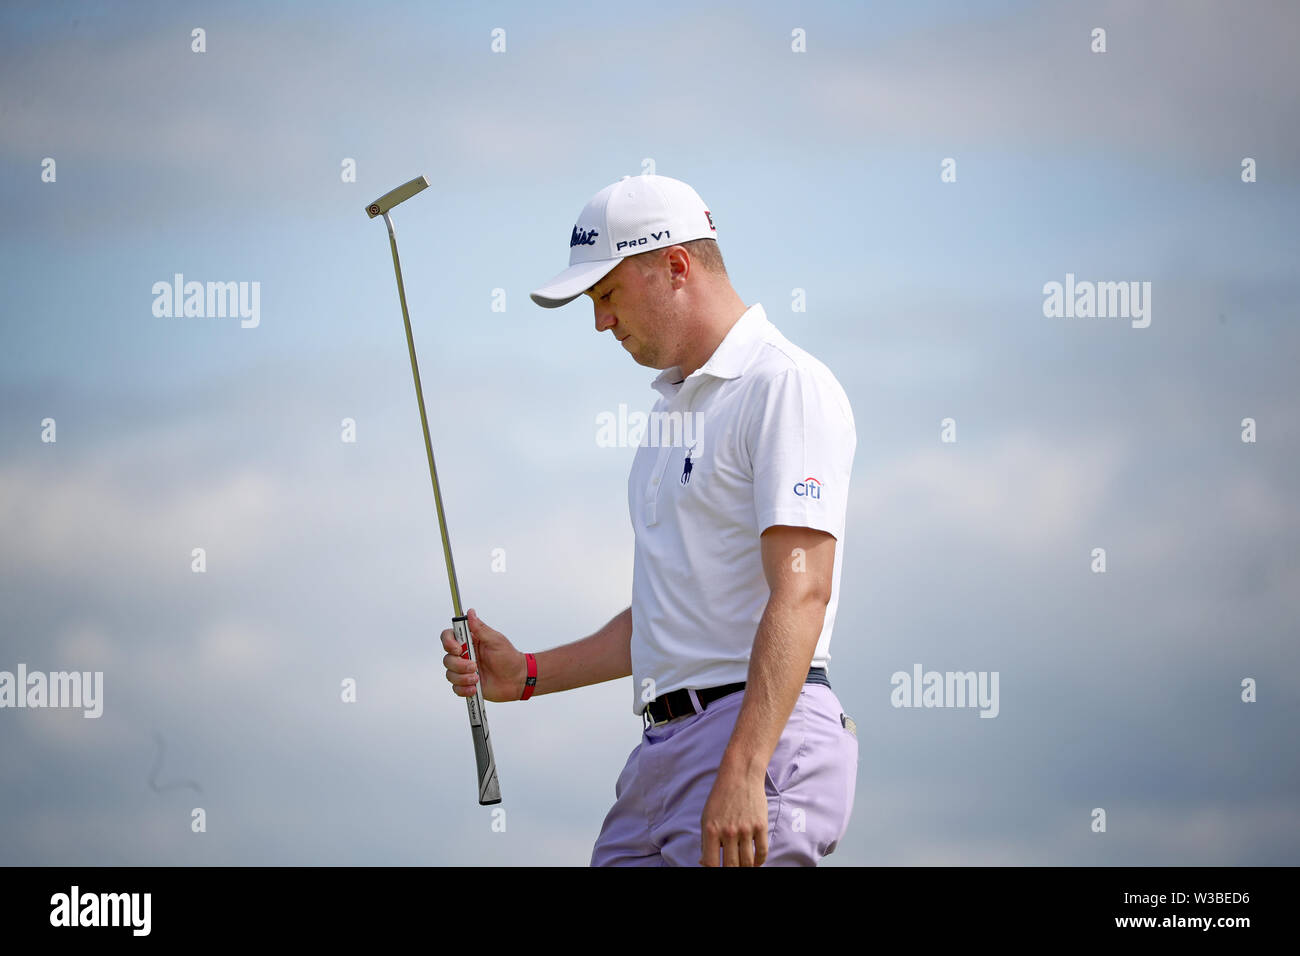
[(1193, 74), (1023, 491)]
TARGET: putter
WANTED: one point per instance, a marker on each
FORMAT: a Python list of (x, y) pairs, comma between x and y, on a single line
[(489, 790)]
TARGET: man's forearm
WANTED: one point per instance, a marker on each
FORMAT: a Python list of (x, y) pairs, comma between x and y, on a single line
[(605, 655), (778, 666)]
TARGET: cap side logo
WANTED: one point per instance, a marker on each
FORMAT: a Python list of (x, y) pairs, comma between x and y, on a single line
[(710, 217), (581, 237)]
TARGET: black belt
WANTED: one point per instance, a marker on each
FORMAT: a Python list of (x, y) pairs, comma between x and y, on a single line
[(678, 703)]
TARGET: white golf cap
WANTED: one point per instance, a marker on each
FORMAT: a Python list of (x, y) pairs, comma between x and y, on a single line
[(634, 215)]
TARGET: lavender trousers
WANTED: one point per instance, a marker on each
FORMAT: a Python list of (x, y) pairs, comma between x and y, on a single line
[(660, 795)]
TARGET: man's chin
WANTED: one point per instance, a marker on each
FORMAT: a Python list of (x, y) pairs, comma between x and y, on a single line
[(640, 359)]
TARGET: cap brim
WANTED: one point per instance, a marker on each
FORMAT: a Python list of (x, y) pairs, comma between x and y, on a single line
[(572, 282)]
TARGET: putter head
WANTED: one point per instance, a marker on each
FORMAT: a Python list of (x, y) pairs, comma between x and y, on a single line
[(399, 195)]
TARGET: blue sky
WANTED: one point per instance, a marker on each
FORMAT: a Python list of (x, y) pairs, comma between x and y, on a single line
[(822, 171)]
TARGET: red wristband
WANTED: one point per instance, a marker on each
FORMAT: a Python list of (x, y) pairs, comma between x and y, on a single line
[(531, 681)]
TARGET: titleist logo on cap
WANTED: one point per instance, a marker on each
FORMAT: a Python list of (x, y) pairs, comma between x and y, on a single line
[(581, 237)]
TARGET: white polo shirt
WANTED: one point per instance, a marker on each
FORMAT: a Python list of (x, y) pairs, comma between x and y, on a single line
[(771, 438)]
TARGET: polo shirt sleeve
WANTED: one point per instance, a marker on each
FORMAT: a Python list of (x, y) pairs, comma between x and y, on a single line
[(801, 439)]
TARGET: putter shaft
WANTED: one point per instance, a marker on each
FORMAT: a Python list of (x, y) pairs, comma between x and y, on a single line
[(488, 784), (424, 423)]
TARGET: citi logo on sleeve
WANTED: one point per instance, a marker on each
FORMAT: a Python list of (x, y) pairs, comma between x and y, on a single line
[(581, 237), (808, 488)]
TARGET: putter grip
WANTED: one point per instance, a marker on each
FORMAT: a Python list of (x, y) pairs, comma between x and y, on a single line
[(489, 790)]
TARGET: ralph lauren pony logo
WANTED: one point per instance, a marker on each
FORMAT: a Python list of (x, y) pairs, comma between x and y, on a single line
[(581, 237)]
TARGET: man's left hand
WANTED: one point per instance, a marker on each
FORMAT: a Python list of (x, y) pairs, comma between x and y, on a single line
[(735, 820)]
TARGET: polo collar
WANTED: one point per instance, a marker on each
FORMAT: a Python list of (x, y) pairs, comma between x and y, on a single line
[(728, 359)]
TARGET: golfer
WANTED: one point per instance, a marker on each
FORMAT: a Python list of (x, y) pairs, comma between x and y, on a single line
[(737, 498)]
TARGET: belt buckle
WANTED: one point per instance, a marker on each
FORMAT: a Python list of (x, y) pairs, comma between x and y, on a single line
[(646, 716), (696, 706), (648, 719)]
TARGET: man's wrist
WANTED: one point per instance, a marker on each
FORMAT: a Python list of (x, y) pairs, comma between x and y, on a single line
[(530, 676), (745, 766)]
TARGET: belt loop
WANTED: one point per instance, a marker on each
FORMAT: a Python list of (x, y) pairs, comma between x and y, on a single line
[(695, 700)]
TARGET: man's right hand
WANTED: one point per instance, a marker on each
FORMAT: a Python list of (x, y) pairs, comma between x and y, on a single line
[(502, 669)]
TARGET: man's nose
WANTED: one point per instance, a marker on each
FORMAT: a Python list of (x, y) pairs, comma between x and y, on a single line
[(604, 320)]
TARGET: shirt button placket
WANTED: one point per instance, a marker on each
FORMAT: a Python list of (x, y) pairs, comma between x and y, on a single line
[(652, 491)]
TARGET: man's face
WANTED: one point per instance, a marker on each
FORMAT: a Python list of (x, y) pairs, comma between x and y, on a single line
[(631, 306)]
